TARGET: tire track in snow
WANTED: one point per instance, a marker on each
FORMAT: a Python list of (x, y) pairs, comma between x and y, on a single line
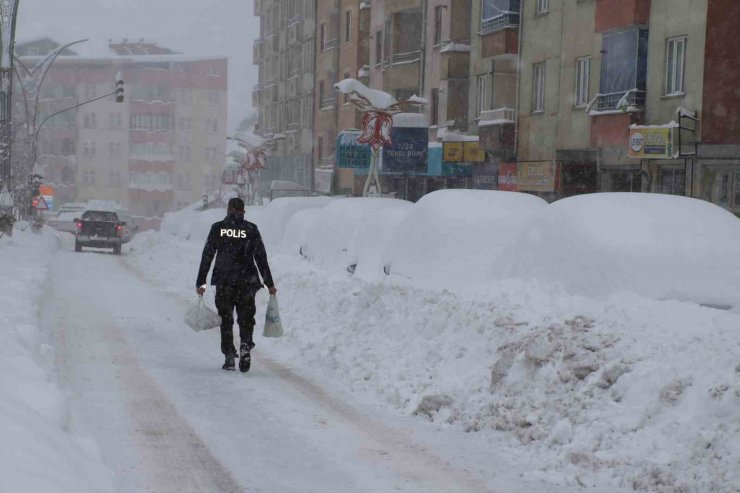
[(172, 455), (181, 460)]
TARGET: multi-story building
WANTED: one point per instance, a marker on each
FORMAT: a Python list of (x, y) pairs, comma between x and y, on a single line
[(342, 52), (284, 95), (159, 150)]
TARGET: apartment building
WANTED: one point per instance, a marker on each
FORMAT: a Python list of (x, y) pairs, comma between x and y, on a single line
[(160, 150), (284, 95)]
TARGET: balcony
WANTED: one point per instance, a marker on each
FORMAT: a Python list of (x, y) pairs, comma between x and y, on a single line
[(329, 44), (328, 103), (257, 51), (294, 127), (295, 30), (499, 116), (256, 95), (618, 102), (403, 58), (500, 22)]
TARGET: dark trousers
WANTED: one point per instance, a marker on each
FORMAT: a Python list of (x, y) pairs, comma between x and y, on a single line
[(240, 298)]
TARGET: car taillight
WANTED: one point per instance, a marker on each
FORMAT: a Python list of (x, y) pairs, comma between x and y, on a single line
[(79, 225)]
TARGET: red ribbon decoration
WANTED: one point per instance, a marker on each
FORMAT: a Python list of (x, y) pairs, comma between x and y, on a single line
[(376, 129)]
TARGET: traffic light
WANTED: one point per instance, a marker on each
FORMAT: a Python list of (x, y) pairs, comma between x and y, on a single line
[(119, 88)]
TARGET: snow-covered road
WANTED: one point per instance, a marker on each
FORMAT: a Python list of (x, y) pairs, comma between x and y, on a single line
[(152, 395)]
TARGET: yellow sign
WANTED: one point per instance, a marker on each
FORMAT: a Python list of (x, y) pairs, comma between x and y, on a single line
[(536, 176), (472, 153), (453, 151), (651, 142)]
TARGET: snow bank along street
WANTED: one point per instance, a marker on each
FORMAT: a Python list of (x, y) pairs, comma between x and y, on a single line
[(438, 346), (38, 452), (587, 356)]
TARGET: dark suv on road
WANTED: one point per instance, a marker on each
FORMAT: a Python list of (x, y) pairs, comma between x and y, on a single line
[(99, 229)]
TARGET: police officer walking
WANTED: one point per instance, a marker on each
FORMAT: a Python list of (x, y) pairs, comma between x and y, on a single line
[(240, 253)]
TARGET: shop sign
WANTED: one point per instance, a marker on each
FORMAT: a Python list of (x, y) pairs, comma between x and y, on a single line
[(651, 142), (322, 180), (408, 151), (452, 152), (350, 153), (472, 153), (507, 177), (536, 176), (47, 192)]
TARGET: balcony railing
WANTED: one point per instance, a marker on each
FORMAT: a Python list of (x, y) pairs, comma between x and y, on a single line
[(328, 103), (294, 127), (633, 100), (402, 58), (494, 24), (499, 116), (329, 44)]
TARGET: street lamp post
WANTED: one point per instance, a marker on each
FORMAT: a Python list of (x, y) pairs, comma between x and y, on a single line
[(8, 13)]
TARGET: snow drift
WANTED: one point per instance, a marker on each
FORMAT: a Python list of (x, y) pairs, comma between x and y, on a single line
[(659, 246), (458, 236)]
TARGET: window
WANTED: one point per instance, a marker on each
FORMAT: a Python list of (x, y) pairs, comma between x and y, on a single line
[(538, 87), (346, 95), (322, 36), (378, 47), (437, 25), (435, 106), (673, 181), (543, 6), (485, 92), (623, 67), (320, 149), (348, 26), (321, 93), (675, 66), (583, 71)]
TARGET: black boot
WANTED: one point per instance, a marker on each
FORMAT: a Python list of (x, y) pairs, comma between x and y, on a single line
[(229, 363), (245, 359)]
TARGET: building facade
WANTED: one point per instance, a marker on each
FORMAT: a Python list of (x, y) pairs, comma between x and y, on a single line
[(159, 150), (284, 95)]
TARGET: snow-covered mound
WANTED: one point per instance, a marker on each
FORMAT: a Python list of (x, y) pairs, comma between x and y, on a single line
[(660, 246), (38, 454), (275, 216), (371, 246), (458, 236), (329, 232)]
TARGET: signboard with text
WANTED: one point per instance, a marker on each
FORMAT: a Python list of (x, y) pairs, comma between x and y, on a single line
[(472, 153), (408, 152), (651, 142), (350, 153), (536, 176), (507, 177), (452, 152)]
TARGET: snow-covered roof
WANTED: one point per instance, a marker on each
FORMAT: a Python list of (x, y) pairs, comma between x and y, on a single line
[(455, 47), (410, 120), (670, 124)]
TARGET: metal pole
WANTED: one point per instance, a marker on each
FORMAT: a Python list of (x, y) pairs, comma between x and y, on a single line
[(8, 14)]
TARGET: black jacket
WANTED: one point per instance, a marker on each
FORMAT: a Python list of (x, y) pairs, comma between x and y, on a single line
[(237, 245)]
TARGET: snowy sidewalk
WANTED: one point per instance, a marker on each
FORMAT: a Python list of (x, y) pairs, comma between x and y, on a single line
[(38, 453)]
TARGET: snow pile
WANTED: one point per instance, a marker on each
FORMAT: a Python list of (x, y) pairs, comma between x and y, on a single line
[(329, 231), (660, 246), (371, 247), (38, 454), (457, 237), (274, 217), (378, 99), (618, 391)]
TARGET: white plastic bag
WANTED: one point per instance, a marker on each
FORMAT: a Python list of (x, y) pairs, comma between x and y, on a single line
[(273, 326), (200, 317)]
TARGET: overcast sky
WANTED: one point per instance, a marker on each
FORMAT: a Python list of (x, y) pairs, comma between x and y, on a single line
[(205, 27)]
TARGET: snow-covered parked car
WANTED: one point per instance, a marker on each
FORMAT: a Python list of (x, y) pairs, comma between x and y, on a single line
[(659, 246), (457, 237), (326, 234)]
